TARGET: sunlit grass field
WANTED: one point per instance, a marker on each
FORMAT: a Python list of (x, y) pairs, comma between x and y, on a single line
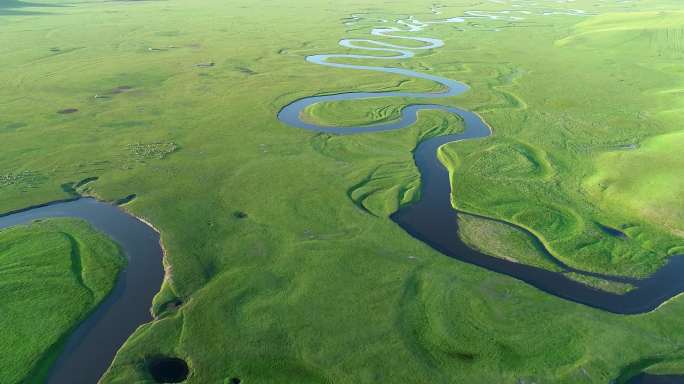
[(52, 275), (176, 102)]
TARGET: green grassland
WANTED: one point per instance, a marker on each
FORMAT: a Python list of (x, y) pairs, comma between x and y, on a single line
[(52, 274), (541, 173), (316, 284), (655, 189)]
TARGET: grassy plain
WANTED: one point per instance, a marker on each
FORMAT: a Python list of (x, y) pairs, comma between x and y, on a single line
[(52, 274), (654, 190), (316, 284)]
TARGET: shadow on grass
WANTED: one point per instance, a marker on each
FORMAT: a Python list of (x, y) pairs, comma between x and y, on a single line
[(19, 8)]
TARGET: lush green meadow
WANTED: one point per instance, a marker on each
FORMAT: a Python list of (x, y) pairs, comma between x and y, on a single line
[(655, 194), (52, 275), (316, 284)]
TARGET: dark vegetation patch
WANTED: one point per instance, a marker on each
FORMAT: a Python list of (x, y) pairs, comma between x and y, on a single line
[(20, 8), (168, 369), (174, 304), (72, 188), (126, 200), (69, 188), (171, 306), (13, 126), (85, 181), (173, 33), (121, 89), (204, 65), (234, 380), (626, 147), (67, 111), (114, 91), (246, 71), (240, 214), (463, 356)]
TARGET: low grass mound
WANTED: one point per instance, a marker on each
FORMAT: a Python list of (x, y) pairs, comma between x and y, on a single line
[(352, 113), (515, 182), (513, 160), (604, 285), (645, 183), (52, 274), (658, 33)]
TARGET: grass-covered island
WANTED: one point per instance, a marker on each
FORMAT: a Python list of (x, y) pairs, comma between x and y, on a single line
[(53, 273)]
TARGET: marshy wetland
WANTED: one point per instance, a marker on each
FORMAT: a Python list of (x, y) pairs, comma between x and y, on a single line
[(284, 261)]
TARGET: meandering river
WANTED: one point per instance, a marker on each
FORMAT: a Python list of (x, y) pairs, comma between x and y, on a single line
[(433, 220), (91, 347)]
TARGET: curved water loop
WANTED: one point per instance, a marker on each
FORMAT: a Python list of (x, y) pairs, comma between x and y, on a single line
[(433, 220), (292, 113)]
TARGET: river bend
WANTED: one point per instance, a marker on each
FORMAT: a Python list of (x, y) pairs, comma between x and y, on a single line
[(90, 348)]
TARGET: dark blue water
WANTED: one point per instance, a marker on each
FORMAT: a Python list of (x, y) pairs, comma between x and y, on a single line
[(654, 379)]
